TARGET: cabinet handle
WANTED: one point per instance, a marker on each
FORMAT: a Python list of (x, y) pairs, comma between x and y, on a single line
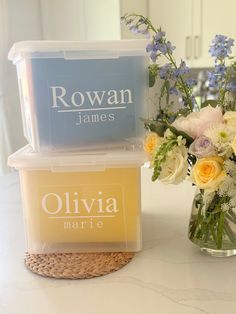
[(188, 47), (196, 47)]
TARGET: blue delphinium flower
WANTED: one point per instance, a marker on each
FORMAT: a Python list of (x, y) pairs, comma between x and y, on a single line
[(165, 71), (230, 43), (231, 87), (174, 75), (213, 79), (181, 70), (220, 69), (217, 75), (144, 32), (159, 46), (158, 36), (173, 90), (149, 47), (166, 48), (137, 26), (170, 47), (221, 46), (191, 82), (134, 29), (153, 56)]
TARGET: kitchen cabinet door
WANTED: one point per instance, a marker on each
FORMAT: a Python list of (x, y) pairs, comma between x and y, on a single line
[(192, 24), (216, 17), (80, 19), (175, 18)]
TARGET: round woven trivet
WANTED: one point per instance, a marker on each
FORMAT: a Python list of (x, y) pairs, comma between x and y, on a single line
[(76, 265)]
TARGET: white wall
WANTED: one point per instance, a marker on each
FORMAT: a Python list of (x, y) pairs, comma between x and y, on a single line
[(132, 6), (23, 22), (80, 19), (102, 19), (62, 19)]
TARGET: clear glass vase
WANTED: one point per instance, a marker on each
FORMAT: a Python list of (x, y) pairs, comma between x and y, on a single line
[(212, 224)]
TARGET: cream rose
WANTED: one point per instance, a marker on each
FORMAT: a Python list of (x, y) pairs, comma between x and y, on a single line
[(230, 119), (175, 168), (197, 122), (208, 173)]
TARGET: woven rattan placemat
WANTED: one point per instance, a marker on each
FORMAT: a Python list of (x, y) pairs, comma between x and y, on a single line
[(76, 265)]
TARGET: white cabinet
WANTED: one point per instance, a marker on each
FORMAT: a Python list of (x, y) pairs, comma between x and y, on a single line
[(80, 19), (216, 17), (192, 24), (174, 18)]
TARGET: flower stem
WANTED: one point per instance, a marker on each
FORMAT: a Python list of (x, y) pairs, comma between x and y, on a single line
[(223, 89), (220, 230), (182, 84), (229, 232), (213, 233)]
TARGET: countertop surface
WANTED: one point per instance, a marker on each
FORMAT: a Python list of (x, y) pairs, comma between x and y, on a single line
[(169, 276)]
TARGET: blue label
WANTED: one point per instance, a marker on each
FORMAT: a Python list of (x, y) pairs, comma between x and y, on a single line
[(80, 103)]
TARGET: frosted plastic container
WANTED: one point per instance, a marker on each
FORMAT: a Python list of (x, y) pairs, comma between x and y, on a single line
[(82, 95), (80, 203)]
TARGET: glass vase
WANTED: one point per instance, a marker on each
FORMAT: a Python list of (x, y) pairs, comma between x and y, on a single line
[(212, 224)]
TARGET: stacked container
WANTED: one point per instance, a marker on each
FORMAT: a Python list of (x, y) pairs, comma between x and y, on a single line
[(80, 174)]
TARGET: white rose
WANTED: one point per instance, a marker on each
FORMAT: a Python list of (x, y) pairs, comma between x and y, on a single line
[(230, 119), (175, 168)]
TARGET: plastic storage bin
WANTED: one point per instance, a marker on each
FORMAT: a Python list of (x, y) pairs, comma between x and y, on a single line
[(81, 95), (80, 203)]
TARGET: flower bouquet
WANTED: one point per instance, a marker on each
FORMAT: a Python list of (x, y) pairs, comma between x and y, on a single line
[(197, 141)]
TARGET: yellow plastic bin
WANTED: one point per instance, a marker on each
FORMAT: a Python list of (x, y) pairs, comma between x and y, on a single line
[(80, 203)]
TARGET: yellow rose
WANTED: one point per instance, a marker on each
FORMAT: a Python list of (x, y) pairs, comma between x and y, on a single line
[(207, 173), (151, 142), (230, 119), (234, 145)]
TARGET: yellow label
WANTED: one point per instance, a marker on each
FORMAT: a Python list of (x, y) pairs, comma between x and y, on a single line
[(83, 210), (94, 207)]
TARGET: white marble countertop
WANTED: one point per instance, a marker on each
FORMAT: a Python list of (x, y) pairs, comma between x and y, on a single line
[(169, 276)]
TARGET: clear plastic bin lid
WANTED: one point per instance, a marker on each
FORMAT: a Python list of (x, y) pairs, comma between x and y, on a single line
[(26, 158), (77, 49)]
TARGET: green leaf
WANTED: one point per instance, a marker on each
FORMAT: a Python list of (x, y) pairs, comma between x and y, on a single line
[(152, 74), (210, 102), (188, 138), (152, 79), (155, 126)]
